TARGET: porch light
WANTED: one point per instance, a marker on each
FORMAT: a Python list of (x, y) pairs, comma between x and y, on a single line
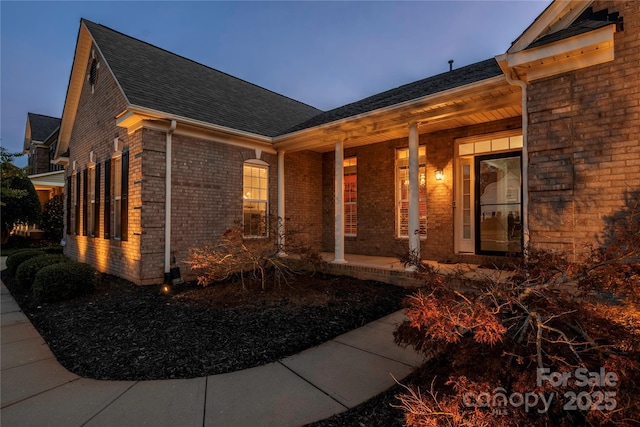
[(439, 175)]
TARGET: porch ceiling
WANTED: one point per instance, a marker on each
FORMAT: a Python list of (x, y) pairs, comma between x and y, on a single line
[(495, 100)]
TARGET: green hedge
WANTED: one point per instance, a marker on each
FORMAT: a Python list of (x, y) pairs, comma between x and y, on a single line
[(26, 272), (15, 259), (64, 281), (54, 249)]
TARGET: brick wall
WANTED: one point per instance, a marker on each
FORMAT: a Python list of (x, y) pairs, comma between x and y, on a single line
[(38, 159), (94, 130), (206, 197), (376, 195), (303, 196), (584, 143)]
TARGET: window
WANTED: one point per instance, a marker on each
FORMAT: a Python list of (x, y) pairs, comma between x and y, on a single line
[(91, 201), (85, 200), (402, 191), (76, 193), (68, 192), (120, 195), (255, 199), (116, 167), (350, 196)]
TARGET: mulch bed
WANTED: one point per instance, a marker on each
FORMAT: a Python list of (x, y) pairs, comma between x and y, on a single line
[(126, 332)]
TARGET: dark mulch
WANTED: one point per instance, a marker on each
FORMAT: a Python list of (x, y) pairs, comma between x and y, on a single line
[(127, 332)]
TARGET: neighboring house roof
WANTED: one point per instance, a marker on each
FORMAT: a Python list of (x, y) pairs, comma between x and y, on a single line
[(431, 85), (154, 78), (42, 126), (48, 179)]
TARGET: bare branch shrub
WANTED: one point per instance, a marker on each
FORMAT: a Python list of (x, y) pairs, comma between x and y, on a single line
[(493, 337), (252, 258)]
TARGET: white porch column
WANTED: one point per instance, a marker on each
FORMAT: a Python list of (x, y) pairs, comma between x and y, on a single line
[(414, 193), (281, 213), (339, 205)]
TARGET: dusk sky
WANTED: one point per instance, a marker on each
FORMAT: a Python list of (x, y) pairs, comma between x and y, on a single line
[(325, 54)]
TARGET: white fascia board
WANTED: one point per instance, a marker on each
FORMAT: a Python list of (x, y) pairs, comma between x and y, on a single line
[(556, 16), (136, 117), (417, 101), (561, 47)]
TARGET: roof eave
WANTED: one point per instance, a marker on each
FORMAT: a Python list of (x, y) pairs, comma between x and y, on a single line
[(558, 15), (76, 82), (573, 53), (281, 141), (135, 117)]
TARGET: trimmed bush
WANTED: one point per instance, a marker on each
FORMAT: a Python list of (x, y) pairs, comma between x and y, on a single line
[(14, 260), (54, 249), (26, 272), (64, 281)]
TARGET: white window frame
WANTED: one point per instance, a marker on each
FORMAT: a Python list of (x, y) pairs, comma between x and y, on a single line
[(91, 203), (351, 204), (255, 191), (466, 149), (402, 164), (116, 182)]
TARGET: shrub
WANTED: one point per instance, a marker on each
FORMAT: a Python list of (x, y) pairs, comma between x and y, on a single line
[(18, 257), (64, 281), (26, 272), (54, 249), (52, 218), (233, 255), (489, 336)]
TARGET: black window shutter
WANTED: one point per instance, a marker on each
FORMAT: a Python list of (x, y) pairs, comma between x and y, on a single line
[(124, 231), (69, 201), (85, 201), (77, 205), (107, 199), (96, 206)]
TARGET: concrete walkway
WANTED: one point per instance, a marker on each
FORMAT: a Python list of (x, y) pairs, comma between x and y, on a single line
[(310, 386)]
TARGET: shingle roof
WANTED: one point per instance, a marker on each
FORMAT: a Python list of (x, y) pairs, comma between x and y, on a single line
[(42, 126), (155, 78), (587, 21), (431, 85)]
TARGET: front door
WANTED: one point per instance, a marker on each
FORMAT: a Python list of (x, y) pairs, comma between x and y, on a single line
[(498, 203)]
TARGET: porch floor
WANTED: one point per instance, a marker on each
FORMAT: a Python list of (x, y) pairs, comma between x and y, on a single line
[(391, 270)]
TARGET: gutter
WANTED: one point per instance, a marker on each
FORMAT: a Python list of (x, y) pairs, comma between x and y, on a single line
[(132, 109), (167, 200)]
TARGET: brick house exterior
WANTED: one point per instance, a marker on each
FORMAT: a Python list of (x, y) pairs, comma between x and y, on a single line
[(467, 165)]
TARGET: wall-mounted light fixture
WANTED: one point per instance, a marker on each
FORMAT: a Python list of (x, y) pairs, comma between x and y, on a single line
[(439, 175)]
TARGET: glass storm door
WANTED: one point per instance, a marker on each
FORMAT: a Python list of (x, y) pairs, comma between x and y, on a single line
[(498, 204)]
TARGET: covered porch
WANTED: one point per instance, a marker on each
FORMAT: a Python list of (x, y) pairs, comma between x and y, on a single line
[(391, 176)]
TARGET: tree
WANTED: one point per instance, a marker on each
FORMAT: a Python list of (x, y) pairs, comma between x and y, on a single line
[(19, 200), (52, 218)]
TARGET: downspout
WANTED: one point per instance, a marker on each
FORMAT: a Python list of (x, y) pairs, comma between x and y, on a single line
[(525, 156), (167, 202)]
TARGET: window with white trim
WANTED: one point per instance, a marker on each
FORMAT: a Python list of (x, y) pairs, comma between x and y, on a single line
[(91, 201), (255, 199), (350, 196), (116, 167), (402, 191)]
